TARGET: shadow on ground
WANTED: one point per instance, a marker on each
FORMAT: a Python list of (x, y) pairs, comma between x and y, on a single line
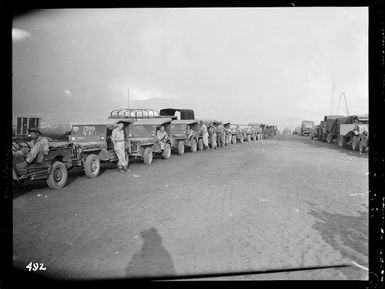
[(152, 259), (314, 142)]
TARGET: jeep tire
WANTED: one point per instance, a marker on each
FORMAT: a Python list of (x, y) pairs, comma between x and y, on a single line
[(341, 141), (181, 147), (355, 143), (147, 156), (200, 144), (57, 177), (361, 146), (329, 138), (166, 151), (92, 166), (194, 146)]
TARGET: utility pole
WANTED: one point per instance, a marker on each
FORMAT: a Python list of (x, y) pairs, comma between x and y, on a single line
[(128, 98), (346, 103)]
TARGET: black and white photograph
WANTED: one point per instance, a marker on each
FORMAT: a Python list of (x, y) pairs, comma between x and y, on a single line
[(197, 143)]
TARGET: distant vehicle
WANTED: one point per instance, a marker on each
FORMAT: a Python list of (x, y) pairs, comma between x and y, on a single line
[(352, 130), (93, 146), (53, 168), (315, 132), (307, 127), (143, 142), (246, 131), (256, 128), (236, 133), (179, 136), (327, 125)]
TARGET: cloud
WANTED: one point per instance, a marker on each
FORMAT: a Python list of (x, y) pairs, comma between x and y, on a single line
[(18, 34)]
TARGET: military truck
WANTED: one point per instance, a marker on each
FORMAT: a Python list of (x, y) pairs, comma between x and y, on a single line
[(307, 127), (53, 168), (93, 145), (143, 140), (352, 130), (179, 136), (328, 125)]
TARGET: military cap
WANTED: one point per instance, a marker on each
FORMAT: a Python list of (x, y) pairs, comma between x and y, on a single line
[(34, 129)]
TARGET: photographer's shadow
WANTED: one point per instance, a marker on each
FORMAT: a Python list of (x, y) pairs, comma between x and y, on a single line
[(152, 260)]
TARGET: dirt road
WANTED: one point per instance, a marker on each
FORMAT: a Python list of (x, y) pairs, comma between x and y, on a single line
[(277, 203)]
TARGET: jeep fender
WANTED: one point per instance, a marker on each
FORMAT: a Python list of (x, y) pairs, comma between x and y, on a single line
[(144, 146), (104, 155)]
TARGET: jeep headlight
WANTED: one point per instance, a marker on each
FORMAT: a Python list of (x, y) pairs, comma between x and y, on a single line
[(73, 138), (79, 149)]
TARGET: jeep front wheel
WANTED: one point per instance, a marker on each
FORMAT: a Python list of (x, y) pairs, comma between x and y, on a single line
[(167, 151), (92, 166), (181, 148), (147, 156), (200, 144), (57, 176), (193, 146)]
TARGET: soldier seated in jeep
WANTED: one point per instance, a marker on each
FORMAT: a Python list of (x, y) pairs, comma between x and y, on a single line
[(38, 148), (161, 137)]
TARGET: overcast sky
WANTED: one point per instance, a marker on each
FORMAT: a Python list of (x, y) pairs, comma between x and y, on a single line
[(272, 65)]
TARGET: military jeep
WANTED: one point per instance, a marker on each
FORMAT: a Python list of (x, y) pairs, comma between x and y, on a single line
[(179, 136), (93, 146), (236, 134), (257, 130), (53, 168), (143, 140)]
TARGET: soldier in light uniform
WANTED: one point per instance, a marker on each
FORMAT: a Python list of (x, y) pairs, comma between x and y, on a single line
[(205, 135), (213, 136), (161, 135), (119, 141), (221, 135), (39, 149)]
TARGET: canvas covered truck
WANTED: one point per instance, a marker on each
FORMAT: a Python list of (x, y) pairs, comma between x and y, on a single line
[(307, 127), (181, 138), (353, 131)]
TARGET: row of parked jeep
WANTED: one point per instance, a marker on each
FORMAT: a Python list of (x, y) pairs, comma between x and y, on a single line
[(89, 145)]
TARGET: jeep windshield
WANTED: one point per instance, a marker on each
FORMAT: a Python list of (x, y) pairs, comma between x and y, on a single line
[(88, 130), (142, 131)]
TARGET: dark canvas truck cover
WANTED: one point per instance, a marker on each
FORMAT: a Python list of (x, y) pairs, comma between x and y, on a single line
[(184, 113)]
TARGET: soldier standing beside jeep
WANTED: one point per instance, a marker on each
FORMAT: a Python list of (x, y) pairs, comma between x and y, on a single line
[(118, 139)]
